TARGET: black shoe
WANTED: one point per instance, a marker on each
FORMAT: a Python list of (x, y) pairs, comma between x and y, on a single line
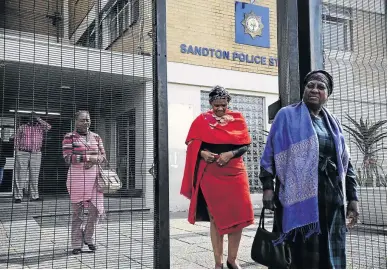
[(17, 201), (91, 247), (36, 200), (76, 251), (230, 266)]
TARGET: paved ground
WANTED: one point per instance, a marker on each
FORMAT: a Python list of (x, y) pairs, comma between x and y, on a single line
[(125, 240), (191, 246)]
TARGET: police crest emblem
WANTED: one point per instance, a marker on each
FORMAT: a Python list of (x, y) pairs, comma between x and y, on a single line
[(253, 24)]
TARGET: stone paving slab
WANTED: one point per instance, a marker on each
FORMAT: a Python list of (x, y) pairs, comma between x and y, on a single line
[(184, 250), (202, 258), (181, 263)]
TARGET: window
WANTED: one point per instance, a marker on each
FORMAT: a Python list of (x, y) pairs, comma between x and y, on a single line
[(88, 39), (122, 15), (337, 28)]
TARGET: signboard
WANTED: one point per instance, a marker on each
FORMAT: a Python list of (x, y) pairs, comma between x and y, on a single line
[(228, 55), (252, 25)]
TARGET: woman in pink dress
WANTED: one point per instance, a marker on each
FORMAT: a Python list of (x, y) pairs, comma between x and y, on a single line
[(83, 151)]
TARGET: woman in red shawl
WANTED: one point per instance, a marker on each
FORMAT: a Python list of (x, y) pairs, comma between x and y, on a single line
[(215, 178)]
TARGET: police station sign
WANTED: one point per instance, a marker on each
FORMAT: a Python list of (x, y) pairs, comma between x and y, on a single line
[(252, 25), (228, 55)]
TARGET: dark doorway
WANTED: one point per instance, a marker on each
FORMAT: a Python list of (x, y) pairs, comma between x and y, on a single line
[(53, 172), (6, 134), (125, 144)]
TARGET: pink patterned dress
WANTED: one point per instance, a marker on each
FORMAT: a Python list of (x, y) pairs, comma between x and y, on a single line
[(81, 181)]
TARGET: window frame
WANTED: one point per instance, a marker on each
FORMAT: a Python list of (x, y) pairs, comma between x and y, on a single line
[(124, 14), (341, 17), (88, 39)]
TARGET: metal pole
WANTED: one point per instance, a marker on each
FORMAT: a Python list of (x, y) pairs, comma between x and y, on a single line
[(288, 55), (288, 51), (299, 48), (162, 209), (310, 38), (316, 39)]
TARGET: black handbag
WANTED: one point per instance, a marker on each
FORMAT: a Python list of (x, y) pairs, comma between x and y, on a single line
[(265, 252)]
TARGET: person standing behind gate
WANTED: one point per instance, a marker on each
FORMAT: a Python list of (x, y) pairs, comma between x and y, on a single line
[(215, 178), (28, 144), (316, 188), (83, 151)]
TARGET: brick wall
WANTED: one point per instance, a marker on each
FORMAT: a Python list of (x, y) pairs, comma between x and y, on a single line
[(211, 24)]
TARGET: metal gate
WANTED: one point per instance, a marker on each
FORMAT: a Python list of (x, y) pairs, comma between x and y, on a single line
[(354, 44), (348, 39), (59, 57)]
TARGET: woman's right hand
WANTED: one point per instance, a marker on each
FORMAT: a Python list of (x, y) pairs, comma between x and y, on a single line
[(209, 157), (268, 202), (93, 159)]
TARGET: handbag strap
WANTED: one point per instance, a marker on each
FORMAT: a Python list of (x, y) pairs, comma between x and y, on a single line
[(261, 222), (276, 214)]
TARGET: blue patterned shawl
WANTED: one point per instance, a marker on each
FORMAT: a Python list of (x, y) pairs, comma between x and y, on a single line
[(292, 155)]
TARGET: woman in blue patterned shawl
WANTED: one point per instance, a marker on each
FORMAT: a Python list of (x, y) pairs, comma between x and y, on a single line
[(315, 188)]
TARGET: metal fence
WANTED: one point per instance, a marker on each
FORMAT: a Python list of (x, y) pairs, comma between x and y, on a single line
[(354, 43), (348, 39), (58, 57)]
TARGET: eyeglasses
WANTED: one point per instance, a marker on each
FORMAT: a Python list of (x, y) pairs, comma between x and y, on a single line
[(317, 85)]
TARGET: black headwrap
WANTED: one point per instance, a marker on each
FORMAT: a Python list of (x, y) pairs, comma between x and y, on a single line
[(218, 92), (322, 76)]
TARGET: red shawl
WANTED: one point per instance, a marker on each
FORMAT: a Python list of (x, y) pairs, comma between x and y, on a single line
[(205, 128)]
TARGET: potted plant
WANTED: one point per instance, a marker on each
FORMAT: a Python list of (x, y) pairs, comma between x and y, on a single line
[(371, 177)]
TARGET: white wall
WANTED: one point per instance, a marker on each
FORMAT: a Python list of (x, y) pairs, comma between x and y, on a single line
[(145, 143), (185, 83)]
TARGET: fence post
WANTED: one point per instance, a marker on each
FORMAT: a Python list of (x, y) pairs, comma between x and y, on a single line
[(310, 38), (299, 48), (162, 209)]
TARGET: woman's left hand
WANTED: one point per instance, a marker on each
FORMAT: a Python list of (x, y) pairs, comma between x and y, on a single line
[(224, 158), (100, 159), (96, 159)]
